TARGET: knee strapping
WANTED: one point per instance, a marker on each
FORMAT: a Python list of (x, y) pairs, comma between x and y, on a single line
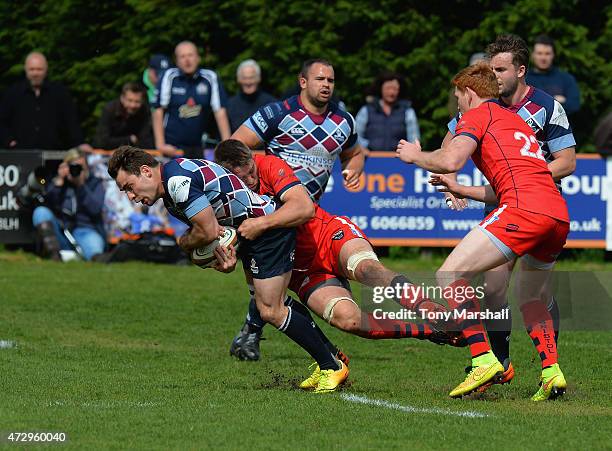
[(328, 313), (358, 257)]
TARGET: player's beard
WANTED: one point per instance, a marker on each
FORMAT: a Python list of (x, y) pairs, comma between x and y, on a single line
[(316, 102), (509, 90)]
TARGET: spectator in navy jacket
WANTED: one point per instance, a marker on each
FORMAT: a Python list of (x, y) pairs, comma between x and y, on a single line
[(187, 95), (382, 123), (557, 83)]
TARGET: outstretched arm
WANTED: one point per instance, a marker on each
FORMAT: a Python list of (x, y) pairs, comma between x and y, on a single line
[(448, 159), (447, 184), (453, 202)]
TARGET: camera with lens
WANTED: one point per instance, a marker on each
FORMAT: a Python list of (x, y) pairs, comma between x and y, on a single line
[(75, 169), (32, 193)]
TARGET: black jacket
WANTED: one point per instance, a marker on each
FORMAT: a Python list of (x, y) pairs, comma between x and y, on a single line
[(48, 121), (115, 127), (242, 106)]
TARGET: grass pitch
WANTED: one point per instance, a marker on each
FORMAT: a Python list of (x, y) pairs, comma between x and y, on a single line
[(136, 356)]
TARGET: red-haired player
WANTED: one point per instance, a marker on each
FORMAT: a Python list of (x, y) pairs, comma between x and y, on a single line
[(531, 221)]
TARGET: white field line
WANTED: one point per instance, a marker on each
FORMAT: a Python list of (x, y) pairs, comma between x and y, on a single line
[(410, 409)]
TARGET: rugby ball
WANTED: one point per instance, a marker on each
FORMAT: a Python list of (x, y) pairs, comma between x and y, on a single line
[(204, 256)]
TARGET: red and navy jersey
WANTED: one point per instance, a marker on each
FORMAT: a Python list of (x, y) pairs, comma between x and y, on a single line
[(192, 185), (547, 120), (510, 157), (275, 176), (310, 143)]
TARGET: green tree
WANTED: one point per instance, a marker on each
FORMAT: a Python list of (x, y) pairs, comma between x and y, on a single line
[(94, 47)]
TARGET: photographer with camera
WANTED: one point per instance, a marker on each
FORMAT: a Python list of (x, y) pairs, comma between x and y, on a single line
[(71, 217)]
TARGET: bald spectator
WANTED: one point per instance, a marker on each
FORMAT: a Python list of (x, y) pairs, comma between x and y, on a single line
[(126, 120), (250, 98), (37, 113), (187, 94), (547, 77)]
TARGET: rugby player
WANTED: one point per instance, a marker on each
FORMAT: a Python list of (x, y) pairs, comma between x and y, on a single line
[(206, 197), (509, 58), (531, 221), (309, 131), (330, 250)]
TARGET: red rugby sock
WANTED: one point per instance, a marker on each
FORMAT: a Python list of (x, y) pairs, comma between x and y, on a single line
[(472, 329), (540, 328), (381, 329)]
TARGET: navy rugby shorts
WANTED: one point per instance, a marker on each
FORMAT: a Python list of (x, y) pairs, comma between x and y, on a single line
[(271, 254)]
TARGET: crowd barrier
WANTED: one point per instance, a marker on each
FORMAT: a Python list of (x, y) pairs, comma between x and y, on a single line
[(394, 204)]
